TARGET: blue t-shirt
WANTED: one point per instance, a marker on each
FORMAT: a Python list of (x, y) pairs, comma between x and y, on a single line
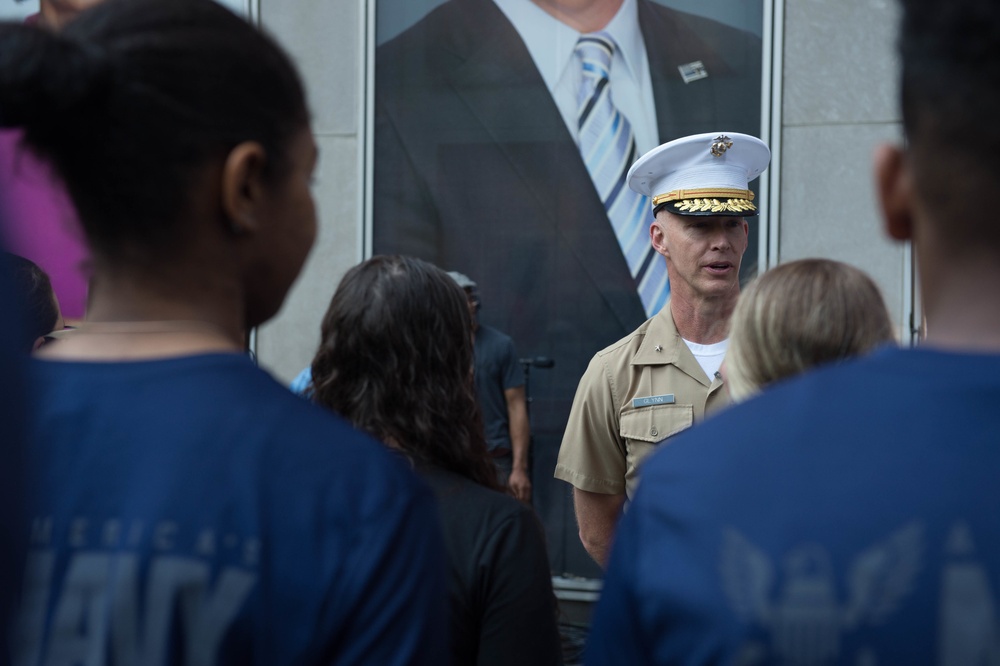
[(848, 516), (192, 510), (496, 371)]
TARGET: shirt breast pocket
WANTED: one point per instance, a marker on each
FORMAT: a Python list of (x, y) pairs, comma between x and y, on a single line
[(644, 428)]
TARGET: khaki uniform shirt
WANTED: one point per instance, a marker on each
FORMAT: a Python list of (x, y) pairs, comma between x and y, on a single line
[(640, 391)]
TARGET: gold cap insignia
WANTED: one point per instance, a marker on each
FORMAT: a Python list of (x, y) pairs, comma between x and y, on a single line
[(721, 144)]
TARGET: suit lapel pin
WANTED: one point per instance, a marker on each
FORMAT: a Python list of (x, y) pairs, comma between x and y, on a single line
[(693, 71)]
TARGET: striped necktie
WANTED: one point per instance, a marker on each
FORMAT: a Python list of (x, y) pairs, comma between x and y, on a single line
[(607, 145)]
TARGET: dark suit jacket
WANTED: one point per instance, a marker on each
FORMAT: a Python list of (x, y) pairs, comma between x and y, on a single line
[(476, 172)]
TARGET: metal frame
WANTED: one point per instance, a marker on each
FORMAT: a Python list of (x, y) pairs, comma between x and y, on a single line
[(366, 143), (911, 323), (768, 248), (251, 10)]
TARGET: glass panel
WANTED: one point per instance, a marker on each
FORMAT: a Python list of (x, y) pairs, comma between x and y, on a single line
[(477, 169)]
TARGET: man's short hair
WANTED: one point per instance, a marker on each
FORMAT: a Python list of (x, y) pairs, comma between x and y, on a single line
[(950, 97)]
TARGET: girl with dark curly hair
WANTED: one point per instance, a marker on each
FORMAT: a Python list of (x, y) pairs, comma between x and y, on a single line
[(396, 359)]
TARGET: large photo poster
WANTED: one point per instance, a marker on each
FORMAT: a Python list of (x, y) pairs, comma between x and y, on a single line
[(478, 168)]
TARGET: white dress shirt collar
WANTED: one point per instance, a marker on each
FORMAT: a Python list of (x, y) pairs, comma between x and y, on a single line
[(551, 42)]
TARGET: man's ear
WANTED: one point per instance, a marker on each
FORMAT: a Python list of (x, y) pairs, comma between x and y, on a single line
[(658, 235), (894, 182), (243, 186)]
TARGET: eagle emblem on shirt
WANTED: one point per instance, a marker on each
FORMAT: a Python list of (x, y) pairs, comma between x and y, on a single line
[(804, 614)]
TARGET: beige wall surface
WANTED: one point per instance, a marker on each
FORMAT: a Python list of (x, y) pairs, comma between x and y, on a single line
[(838, 103), (325, 38)]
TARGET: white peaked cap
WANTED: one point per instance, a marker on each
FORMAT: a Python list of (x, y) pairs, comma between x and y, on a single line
[(702, 174)]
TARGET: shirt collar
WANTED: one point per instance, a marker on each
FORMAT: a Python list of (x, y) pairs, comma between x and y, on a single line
[(551, 42), (662, 344)]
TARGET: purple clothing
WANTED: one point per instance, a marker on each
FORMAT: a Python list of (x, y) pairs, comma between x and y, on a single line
[(41, 224)]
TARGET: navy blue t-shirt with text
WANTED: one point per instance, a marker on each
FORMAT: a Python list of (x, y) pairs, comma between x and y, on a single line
[(192, 510)]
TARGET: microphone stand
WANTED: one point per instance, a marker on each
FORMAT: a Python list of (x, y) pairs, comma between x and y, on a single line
[(541, 362)]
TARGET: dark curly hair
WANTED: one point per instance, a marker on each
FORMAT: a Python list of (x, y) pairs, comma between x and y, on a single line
[(396, 360)]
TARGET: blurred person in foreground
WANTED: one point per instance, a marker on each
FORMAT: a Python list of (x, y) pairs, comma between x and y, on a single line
[(798, 316), (13, 403), (848, 516), (396, 359), (185, 507)]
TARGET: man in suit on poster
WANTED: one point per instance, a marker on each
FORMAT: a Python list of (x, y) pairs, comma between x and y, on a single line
[(488, 160)]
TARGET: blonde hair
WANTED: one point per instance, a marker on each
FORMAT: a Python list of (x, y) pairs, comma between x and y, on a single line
[(799, 315)]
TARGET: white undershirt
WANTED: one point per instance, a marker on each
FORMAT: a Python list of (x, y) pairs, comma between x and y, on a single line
[(551, 44), (709, 357)]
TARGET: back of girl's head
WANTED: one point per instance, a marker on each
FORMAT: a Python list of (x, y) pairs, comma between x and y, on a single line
[(396, 359), (800, 315), (135, 98)]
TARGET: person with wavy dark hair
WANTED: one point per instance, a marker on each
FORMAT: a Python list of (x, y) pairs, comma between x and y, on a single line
[(396, 359), (184, 506), (384, 364)]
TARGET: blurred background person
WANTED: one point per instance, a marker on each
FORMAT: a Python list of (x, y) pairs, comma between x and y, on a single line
[(55, 14), (172, 480), (396, 359), (42, 224), (502, 401), (800, 315), (13, 407), (38, 304)]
